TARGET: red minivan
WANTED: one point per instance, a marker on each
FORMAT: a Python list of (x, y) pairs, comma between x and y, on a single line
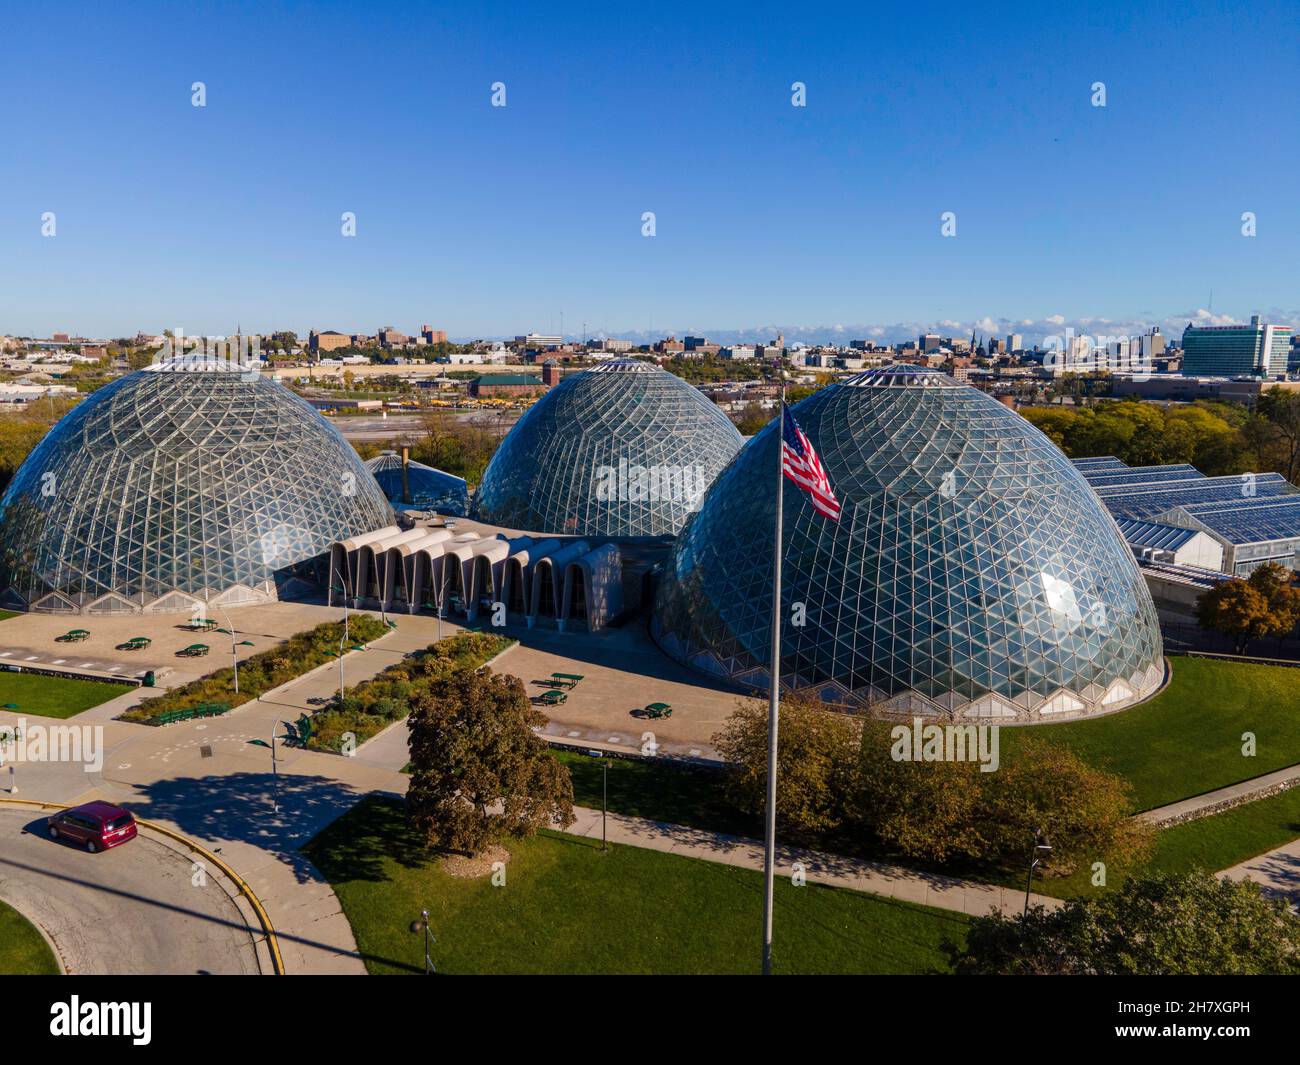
[(95, 825)]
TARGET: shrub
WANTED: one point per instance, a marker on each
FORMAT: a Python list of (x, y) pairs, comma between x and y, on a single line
[(1186, 924), (261, 672), (375, 704)]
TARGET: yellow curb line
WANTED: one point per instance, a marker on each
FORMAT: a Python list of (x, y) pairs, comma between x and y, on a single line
[(272, 942)]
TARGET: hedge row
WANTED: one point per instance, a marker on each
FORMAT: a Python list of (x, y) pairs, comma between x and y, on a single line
[(375, 704), (263, 671)]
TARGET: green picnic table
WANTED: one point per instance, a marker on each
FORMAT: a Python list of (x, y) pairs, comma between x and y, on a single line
[(136, 643), (572, 678), (202, 625), (76, 635), (195, 650), (552, 698), (658, 710)]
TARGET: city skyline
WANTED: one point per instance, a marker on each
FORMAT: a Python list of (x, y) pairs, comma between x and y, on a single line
[(831, 210)]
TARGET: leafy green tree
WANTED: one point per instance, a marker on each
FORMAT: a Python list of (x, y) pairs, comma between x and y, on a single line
[(1281, 410), (1188, 924), (479, 771)]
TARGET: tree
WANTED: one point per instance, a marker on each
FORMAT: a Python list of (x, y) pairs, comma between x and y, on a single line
[(1170, 924), (1265, 604), (1281, 409), (816, 751), (479, 772), (1084, 811)]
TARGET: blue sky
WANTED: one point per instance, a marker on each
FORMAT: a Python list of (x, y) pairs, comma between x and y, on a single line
[(491, 221)]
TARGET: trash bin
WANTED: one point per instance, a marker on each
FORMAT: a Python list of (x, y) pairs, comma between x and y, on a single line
[(149, 678)]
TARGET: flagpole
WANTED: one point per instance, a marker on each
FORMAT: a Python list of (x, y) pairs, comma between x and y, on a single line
[(773, 713)]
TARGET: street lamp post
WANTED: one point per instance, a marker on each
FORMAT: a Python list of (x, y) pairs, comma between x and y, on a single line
[(1040, 844), (604, 803), (422, 925), (234, 652)]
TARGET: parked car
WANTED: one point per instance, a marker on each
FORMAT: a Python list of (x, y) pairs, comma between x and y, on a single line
[(94, 825)]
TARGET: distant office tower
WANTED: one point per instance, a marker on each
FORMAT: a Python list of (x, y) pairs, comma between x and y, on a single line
[(1230, 350), (1015, 342), (433, 336), (1150, 345), (931, 342)]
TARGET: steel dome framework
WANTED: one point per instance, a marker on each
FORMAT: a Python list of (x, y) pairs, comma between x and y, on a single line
[(183, 484), (623, 450), (973, 573), (429, 488)]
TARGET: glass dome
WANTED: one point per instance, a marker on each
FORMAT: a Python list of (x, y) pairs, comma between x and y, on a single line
[(186, 483), (625, 449), (428, 488), (973, 573)]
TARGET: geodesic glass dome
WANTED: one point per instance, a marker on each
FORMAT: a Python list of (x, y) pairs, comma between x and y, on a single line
[(427, 488), (625, 449), (188, 482), (973, 573)]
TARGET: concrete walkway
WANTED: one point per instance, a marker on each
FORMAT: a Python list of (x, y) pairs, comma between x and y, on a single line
[(1276, 872), (878, 878), (1223, 798)]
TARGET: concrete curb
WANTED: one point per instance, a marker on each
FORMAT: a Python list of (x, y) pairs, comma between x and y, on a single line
[(270, 943)]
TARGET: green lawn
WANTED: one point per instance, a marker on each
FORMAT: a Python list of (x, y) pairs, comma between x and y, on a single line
[(43, 696), (5, 615), (662, 790), (23, 950), (569, 908), (1187, 740)]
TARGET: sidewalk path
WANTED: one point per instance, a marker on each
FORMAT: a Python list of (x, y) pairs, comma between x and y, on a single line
[(1223, 798), (878, 878), (1277, 873)]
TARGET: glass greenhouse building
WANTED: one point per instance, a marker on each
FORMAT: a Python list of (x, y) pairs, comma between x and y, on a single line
[(973, 574), (424, 487), (623, 450), (190, 482)]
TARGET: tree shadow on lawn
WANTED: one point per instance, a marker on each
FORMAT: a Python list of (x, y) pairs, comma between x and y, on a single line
[(279, 813), (357, 847)]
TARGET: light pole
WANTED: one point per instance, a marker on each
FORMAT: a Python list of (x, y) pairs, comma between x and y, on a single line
[(604, 803), (422, 925), (234, 653), (343, 593), (1040, 844)]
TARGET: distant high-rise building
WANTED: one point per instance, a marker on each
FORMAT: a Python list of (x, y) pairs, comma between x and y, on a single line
[(1015, 342), (1256, 350), (539, 342), (433, 336), (931, 342)]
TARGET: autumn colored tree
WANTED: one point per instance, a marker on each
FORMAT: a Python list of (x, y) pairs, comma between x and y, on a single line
[(816, 755), (1265, 604), (1170, 924), (479, 771), (1085, 812), (928, 811)]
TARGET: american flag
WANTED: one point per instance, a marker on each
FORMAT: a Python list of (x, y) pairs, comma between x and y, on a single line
[(800, 463)]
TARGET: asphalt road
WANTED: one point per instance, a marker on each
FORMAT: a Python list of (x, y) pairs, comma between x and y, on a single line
[(130, 910)]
